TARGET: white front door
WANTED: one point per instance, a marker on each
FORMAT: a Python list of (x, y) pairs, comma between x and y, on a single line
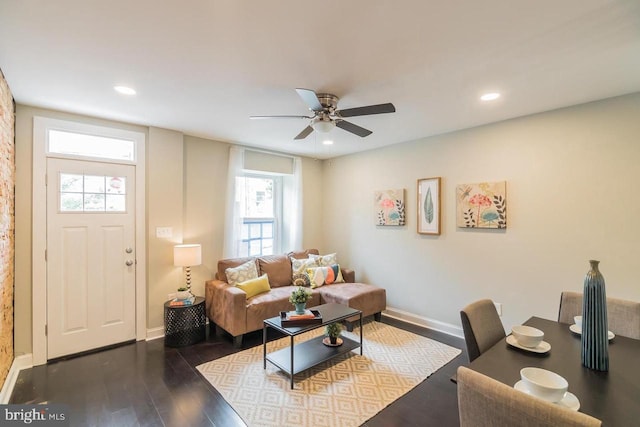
[(91, 256)]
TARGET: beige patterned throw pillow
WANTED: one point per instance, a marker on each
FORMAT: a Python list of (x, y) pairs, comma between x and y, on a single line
[(241, 273), (325, 260), (299, 266)]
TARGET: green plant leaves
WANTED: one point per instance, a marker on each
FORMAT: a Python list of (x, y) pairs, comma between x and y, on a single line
[(428, 207)]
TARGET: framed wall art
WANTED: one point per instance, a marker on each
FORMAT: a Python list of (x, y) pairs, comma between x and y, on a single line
[(429, 205), (482, 205), (388, 207)]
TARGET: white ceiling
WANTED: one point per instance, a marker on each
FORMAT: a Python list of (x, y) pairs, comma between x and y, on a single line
[(204, 66)]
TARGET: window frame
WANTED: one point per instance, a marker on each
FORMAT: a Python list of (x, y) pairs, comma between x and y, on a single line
[(276, 220)]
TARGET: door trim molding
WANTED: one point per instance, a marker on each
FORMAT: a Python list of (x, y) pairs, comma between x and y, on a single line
[(41, 125)]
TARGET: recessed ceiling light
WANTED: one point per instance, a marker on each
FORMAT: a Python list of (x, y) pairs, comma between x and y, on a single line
[(491, 96), (125, 90), (327, 142)]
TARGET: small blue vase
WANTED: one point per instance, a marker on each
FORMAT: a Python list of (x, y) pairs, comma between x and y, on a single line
[(300, 307), (595, 327)]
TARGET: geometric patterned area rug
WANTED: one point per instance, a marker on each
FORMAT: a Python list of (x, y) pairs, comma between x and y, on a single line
[(344, 391)]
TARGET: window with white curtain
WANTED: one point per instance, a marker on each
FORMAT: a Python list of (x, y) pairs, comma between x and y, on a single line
[(260, 200), (263, 210)]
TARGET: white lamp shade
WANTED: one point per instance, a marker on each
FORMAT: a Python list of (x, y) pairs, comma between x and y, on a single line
[(187, 255), (323, 125)]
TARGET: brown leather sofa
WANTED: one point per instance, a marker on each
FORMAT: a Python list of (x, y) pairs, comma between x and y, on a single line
[(228, 308)]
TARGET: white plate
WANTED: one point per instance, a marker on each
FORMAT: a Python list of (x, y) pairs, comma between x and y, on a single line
[(577, 330), (569, 400), (543, 347)]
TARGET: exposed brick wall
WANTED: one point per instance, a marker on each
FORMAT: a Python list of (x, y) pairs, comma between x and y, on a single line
[(7, 224)]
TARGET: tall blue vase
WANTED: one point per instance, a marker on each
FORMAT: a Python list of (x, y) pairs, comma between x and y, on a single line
[(595, 328)]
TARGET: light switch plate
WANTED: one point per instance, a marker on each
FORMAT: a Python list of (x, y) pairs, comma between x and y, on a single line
[(164, 232)]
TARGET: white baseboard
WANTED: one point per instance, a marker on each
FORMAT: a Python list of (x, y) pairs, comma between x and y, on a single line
[(24, 361), (436, 325), (155, 333)]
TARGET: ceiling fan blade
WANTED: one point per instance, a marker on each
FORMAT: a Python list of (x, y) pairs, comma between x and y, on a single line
[(350, 127), (310, 98), (305, 132), (279, 117), (369, 109)]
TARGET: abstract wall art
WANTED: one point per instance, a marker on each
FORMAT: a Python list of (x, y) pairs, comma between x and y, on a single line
[(429, 206), (388, 207), (482, 205)]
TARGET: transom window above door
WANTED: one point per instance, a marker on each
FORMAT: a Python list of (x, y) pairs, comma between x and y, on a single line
[(101, 147), (92, 193)]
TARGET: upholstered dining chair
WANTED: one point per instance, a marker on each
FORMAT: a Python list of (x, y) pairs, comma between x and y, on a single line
[(485, 402), (623, 315), (481, 326)]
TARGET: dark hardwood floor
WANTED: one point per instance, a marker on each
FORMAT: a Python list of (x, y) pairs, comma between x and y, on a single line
[(148, 384)]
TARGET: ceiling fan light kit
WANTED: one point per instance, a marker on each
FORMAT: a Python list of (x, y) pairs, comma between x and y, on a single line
[(323, 125), (326, 115)]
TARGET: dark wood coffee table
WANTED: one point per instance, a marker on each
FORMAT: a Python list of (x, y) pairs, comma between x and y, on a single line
[(307, 354)]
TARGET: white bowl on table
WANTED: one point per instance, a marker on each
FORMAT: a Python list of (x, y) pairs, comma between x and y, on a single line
[(527, 336), (544, 384)]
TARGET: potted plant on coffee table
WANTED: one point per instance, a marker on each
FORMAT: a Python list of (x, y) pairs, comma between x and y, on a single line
[(299, 298), (333, 330)]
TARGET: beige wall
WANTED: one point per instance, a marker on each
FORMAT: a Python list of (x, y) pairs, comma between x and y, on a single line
[(206, 164), (571, 175), (315, 199), (164, 209)]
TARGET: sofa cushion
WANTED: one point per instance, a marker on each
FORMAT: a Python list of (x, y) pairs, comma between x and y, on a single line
[(278, 268), (255, 287), (223, 264), (369, 299), (241, 273)]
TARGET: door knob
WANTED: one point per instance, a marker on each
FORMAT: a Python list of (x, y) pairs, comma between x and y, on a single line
[(128, 250), (129, 263)]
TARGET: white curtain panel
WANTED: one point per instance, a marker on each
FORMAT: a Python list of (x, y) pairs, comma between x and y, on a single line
[(233, 219), (292, 208)]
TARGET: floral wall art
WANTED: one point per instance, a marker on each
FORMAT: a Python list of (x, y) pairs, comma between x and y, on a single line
[(389, 207), (482, 205)]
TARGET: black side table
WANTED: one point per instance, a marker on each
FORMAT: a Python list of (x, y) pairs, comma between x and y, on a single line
[(184, 325)]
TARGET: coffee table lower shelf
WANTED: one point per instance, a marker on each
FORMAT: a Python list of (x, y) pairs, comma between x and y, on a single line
[(308, 354)]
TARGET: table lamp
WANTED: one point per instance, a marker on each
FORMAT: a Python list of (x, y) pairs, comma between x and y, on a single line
[(187, 256)]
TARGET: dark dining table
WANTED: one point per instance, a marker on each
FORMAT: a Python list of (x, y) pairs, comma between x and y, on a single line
[(613, 396)]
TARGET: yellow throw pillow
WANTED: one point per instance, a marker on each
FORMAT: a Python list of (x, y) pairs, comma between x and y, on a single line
[(254, 287)]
